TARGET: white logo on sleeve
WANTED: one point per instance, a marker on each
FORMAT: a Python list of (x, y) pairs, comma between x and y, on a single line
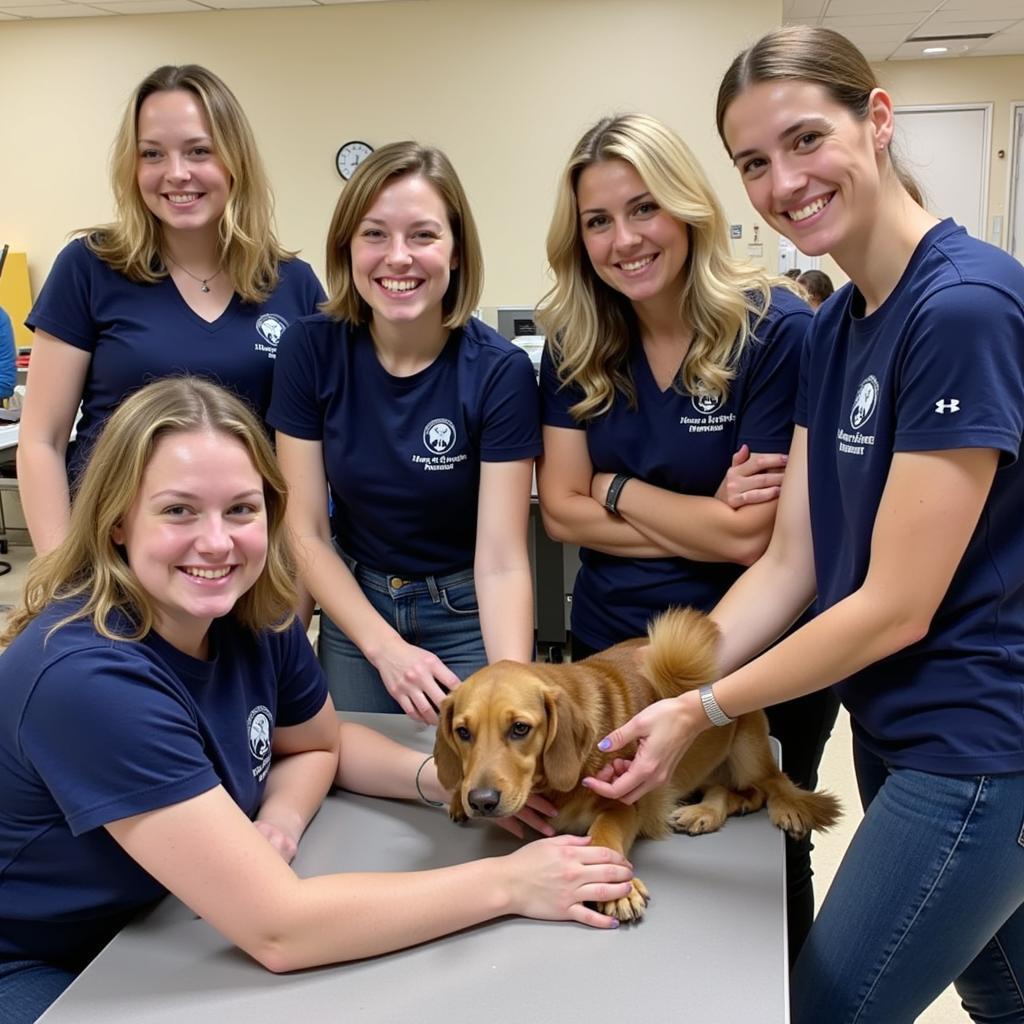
[(260, 726), (947, 405), (864, 402)]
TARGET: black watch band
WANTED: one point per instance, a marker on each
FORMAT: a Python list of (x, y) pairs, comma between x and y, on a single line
[(611, 500)]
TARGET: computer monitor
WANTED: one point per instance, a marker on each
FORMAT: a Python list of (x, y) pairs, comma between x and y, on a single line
[(516, 321)]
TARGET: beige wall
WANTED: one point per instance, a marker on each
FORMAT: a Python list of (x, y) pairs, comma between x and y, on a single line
[(995, 80), (504, 86)]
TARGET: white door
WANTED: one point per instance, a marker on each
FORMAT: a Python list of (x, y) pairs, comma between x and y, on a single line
[(946, 150), (1015, 204)]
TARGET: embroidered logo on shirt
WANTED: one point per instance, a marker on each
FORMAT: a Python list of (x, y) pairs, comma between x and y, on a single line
[(707, 403), (260, 727), (947, 405), (864, 403), (439, 436), (270, 327)]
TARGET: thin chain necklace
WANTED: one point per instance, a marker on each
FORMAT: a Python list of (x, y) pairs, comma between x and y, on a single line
[(203, 281)]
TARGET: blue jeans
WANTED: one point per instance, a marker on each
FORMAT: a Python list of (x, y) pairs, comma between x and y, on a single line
[(28, 987), (931, 891), (439, 614)]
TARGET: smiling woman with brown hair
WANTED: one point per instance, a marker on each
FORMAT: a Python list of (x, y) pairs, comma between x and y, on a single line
[(901, 512)]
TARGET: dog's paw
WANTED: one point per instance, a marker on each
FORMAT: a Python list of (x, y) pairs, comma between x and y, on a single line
[(790, 819), (696, 819), (629, 909), (457, 813)]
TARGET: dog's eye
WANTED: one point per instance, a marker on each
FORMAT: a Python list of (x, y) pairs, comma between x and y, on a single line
[(463, 733), (519, 730)]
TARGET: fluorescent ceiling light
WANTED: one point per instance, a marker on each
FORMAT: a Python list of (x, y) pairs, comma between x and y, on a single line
[(936, 49)]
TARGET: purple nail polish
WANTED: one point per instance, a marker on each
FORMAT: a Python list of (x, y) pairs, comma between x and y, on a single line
[(605, 744)]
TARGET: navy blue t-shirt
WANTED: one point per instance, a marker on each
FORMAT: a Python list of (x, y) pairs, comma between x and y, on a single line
[(402, 454), (138, 333), (94, 730), (683, 443), (939, 365)]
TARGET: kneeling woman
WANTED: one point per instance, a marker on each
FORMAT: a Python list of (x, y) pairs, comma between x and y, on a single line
[(153, 644)]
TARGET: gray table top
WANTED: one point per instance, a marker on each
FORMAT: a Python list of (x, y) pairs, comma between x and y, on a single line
[(711, 949)]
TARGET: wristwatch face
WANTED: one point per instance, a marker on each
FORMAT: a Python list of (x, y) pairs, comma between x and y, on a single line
[(350, 156)]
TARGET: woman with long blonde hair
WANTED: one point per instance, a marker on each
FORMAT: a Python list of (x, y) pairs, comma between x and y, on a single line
[(667, 387), (165, 726), (189, 277)]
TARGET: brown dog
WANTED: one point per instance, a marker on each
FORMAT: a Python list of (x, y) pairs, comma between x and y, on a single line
[(513, 729)]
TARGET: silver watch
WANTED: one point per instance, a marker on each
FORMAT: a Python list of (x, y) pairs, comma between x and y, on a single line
[(711, 707)]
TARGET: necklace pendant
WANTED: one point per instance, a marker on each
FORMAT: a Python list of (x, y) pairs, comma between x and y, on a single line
[(205, 287)]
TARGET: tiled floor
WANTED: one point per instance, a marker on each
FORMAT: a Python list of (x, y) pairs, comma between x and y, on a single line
[(836, 775)]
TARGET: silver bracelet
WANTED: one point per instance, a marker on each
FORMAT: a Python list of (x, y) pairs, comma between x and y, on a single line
[(419, 789), (712, 708)]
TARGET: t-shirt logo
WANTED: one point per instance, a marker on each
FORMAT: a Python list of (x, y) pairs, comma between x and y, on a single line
[(864, 403), (947, 405), (706, 402), (271, 327), (259, 731), (439, 436)]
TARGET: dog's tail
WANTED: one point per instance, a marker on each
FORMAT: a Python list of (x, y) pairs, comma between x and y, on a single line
[(796, 810), (682, 651)]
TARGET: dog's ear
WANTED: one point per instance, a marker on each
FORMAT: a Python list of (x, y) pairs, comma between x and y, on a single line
[(567, 744), (446, 754)]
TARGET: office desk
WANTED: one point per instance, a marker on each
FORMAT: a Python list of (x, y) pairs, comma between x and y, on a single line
[(710, 951)]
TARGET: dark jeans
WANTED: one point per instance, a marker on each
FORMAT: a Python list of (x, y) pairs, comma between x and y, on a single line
[(802, 727), (28, 987)]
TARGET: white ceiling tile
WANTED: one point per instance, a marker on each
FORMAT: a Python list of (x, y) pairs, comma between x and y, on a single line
[(986, 8), (52, 10), (232, 5), (959, 23), (869, 8), (875, 34), (148, 6), (902, 19)]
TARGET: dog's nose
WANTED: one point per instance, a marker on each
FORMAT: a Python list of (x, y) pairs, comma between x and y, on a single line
[(484, 801)]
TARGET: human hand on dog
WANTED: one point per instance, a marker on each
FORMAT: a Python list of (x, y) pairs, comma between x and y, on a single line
[(663, 732), (553, 879), (751, 479), (534, 813), (415, 677)]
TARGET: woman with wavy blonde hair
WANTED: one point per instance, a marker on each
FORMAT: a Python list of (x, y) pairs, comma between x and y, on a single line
[(165, 726), (189, 277), (667, 388)]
